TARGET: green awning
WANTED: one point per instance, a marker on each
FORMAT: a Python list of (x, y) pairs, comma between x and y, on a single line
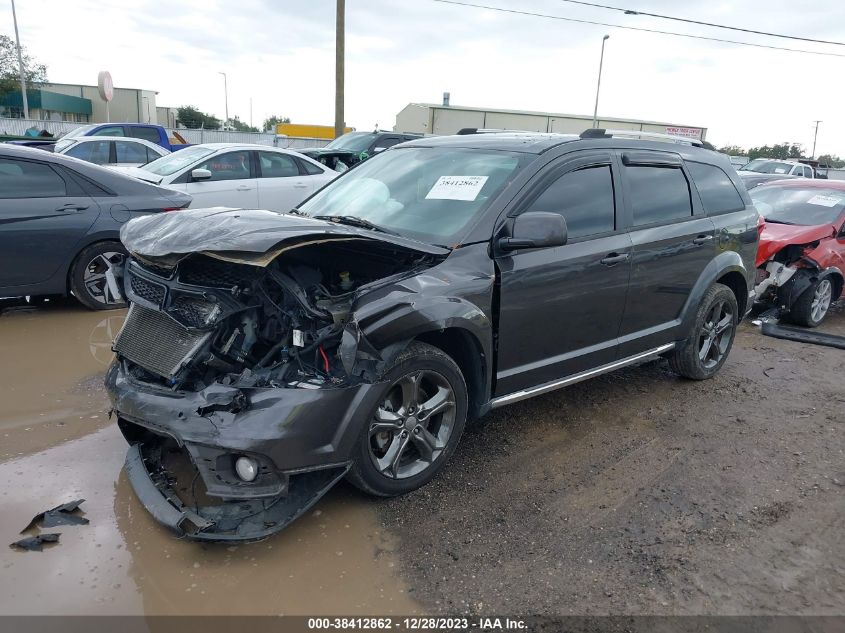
[(46, 100)]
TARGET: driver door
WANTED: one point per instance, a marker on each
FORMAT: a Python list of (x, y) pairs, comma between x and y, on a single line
[(233, 182), (561, 308)]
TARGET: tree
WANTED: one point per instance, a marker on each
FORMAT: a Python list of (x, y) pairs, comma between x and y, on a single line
[(833, 160), (240, 126), (193, 118), (10, 71), (271, 122), (780, 151), (732, 150)]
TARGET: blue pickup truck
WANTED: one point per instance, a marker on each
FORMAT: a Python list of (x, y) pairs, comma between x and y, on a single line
[(170, 140)]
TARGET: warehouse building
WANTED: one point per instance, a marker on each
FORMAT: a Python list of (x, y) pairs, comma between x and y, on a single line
[(77, 103), (429, 118)]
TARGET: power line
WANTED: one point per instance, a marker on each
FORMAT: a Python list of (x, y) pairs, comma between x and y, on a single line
[(689, 21), (636, 28)]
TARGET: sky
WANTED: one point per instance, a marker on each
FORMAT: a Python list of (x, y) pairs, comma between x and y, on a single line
[(280, 54)]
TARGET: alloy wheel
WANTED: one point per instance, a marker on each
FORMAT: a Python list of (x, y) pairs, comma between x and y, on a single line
[(411, 428), (821, 300), (94, 277), (715, 336)]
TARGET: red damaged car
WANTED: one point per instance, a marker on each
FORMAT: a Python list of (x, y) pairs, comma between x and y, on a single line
[(801, 257)]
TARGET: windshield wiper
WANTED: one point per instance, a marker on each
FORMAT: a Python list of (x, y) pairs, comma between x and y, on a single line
[(352, 220)]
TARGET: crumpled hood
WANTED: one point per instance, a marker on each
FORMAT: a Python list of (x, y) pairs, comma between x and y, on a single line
[(250, 236), (776, 236)]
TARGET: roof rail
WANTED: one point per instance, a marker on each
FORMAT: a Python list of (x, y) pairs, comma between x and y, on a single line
[(480, 130), (657, 136)]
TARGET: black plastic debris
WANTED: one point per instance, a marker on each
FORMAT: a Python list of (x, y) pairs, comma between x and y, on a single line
[(64, 514), (802, 335), (36, 543)]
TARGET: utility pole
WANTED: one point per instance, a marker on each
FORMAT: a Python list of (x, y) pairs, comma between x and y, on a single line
[(226, 96), (20, 64), (339, 50), (250, 112), (815, 136), (598, 85)]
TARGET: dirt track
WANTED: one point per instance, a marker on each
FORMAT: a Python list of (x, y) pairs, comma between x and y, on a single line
[(639, 493)]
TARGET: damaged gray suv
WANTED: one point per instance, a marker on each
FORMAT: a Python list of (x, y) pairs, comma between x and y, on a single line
[(266, 356)]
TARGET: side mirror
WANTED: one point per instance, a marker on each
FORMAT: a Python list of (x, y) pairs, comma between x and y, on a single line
[(535, 229), (200, 174)]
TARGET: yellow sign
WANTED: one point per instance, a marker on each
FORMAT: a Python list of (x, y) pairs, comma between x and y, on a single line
[(304, 130)]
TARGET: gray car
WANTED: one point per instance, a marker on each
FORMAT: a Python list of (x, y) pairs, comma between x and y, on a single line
[(60, 222), (273, 354)]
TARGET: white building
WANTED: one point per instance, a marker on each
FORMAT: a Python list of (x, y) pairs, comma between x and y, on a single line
[(429, 118)]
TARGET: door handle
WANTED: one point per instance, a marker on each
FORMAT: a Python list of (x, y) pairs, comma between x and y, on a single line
[(243, 188), (615, 258), (71, 207), (300, 185), (702, 239)]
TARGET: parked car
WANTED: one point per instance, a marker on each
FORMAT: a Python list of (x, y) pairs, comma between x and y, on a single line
[(110, 150), (781, 167), (434, 282), (236, 175), (350, 149), (801, 259), (59, 224), (752, 179), (46, 144), (738, 162), (170, 140)]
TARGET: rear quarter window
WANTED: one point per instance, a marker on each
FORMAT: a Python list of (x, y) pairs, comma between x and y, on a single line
[(717, 191)]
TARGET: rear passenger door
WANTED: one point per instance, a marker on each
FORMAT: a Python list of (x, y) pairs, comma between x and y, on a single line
[(672, 242), (129, 153), (561, 308), (280, 185)]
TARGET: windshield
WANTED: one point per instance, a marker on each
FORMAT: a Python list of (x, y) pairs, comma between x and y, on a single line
[(427, 194), (354, 141), (171, 163), (807, 206), (768, 167)]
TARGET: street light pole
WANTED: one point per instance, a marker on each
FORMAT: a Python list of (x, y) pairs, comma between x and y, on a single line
[(815, 136), (598, 85), (226, 96), (339, 50), (20, 64)]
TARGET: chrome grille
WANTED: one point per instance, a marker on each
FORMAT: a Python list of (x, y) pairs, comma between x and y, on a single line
[(157, 343)]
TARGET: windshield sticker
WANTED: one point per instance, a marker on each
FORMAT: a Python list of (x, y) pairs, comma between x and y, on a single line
[(780, 170), (456, 188), (824, 201)]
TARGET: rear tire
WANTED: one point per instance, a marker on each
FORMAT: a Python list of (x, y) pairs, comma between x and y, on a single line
[(416, 426), (88, 279), (702, 355), (813, 304)]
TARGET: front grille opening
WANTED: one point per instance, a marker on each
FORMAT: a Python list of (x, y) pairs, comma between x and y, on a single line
[(214, 273), (183, 476), (193, 312), (162, 271), (154, 293)]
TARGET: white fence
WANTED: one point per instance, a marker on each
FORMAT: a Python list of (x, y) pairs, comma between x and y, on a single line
[(18, 127)]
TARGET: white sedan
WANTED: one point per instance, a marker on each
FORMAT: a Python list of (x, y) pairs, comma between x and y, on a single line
[(111, 151), (238, 175)]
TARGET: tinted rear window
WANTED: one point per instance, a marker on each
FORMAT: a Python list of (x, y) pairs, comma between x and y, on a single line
[(717, 191), (658, 194)]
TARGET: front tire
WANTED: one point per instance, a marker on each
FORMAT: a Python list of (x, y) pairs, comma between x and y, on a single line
[(88, 280), (813, 304), (416, 426), (702, 355)]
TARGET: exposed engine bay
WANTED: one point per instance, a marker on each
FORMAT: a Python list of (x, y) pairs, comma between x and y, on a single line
[(205, 320)]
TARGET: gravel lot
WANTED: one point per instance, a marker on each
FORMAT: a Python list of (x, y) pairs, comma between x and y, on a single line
[(640, 493)]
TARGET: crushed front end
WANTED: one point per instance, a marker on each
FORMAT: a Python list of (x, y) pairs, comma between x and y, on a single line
[(242, 386)]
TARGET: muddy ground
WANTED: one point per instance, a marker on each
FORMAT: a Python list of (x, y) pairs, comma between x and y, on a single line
[(633, 493), (641, 493)]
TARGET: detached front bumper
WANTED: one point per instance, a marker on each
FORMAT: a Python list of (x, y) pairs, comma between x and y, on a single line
[(302, 440), (239, 521)]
